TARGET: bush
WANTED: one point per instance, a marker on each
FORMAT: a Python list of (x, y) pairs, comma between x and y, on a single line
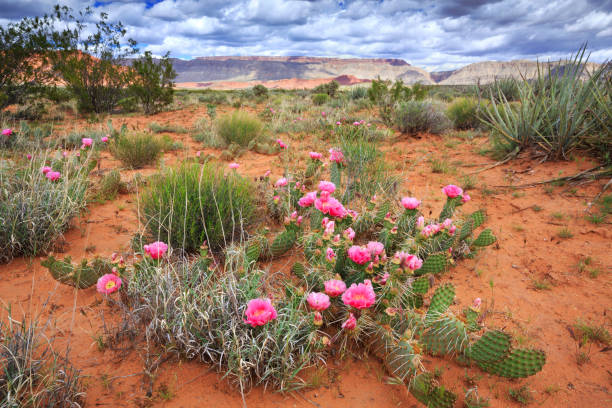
[(153, 82), (464, 113), (260, 91), (330, 88), (240, 128), (418, 116), (35, 212), (33, 374), (136, 150), (204, 318), (358, 92), (320, 98), (191, 204)]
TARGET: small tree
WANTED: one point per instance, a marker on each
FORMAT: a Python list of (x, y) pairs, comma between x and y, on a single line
[(24, 52), (153, 82), (92, 67)]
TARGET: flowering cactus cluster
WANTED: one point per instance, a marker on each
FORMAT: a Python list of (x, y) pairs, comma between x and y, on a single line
[(372, 269)]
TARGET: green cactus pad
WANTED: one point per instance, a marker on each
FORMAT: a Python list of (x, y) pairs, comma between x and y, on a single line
[(81, 276), (298, 270), (440, 301), (519, 364), (382, 211), (421, 285), (316, 217), (467, 228), (435, 263), (485, 238), (399, 360), (471, 316), (379, 342), (478, 217), (425, 391), (335, 174), (252, 252), (493, 346), (446, 335), (449, 208), (283, 243)]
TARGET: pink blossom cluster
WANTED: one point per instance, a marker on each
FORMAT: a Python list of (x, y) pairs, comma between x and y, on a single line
[(410, 203), (359, 254), (334, 287), (315, 156), (281, 144), (336, 156), (407, 261), (156, 250), (318, 301), (7, 132), (108, 283)]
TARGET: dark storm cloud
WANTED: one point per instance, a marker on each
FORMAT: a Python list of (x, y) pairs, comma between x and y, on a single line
[(440, 34)]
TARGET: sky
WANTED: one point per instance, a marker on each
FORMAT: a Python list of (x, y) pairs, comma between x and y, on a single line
[(433, 34)]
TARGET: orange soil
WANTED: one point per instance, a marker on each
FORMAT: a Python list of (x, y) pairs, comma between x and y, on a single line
[(528, 250)]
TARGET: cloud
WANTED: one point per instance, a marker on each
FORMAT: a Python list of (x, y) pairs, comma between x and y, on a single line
[(434, 34)]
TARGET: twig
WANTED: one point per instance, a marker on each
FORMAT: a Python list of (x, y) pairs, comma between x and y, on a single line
[(509, 157), (591, 173)]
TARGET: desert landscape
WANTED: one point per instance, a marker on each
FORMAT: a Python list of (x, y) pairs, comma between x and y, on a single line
[(296, 231)]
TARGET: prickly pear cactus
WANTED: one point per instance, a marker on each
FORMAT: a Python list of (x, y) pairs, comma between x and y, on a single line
[(519, 363), (283, 243), (440, 301), (485, 238), (420, 285), (424, 389), (257, 248), (446, 335), (382, 211), (81, 276), (493, 346), (335, 174), (400, 359), (478, 217), (467, 228), (434, 264), (471, 318), (299, 270), (449, 208)]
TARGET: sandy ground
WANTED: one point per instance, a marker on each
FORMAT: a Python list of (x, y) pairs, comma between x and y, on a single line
[(505, 276)]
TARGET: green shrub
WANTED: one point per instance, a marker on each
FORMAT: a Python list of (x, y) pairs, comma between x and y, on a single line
[(464, 113), (240, 127), (330, 88), (188, 205), (358, 92), (260, 91), (35, 212), (320, 99), (136, 150), (420, 116), (109, 186), (153, 82)]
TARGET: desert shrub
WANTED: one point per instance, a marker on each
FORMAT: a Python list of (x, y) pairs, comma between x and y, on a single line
[(365, 172), (128, 104), (420, 116), (205, 132), (204, 318), (136, 150), (360, 131), (358, 92), (465, 113), (504, 89), (260, 91), (153, 82), (34, 211), (240, 127), (74, 139), (213, 97), (33, 374), (31, 109), (110, 186), (329, 88), (188, 205), (167, 128), (320, 98)]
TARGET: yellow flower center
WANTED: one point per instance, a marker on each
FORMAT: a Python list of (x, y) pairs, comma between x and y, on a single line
[(110, 284)]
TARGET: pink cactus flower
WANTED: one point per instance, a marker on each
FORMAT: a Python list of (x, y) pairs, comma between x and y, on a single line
[(330, 227), (352, 213), (108, 284), (156, 250), (308, 199), (466, 198), (410, 203), (359, 255), (281, 144), (338, 123), (476, 303), (336, 156), (104, 139), (323, 114), (233, 166), (65, 154), (276, 199), (331, 206), (29, 156), (452, 230), (87, 141), (421, 222), (447, 223), (281, 182), (330, 255), (299, 220), (360, 296), (356, 123), (259, 312), (375, 248), (349, 233), (350, 323), (315, 155), (327, 186), (53, 175), (334, 287), (318, 301), (7, 132), (46, 169), (267, 174), (406, 260), (78, 154), (381, 280), (452, 191)]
